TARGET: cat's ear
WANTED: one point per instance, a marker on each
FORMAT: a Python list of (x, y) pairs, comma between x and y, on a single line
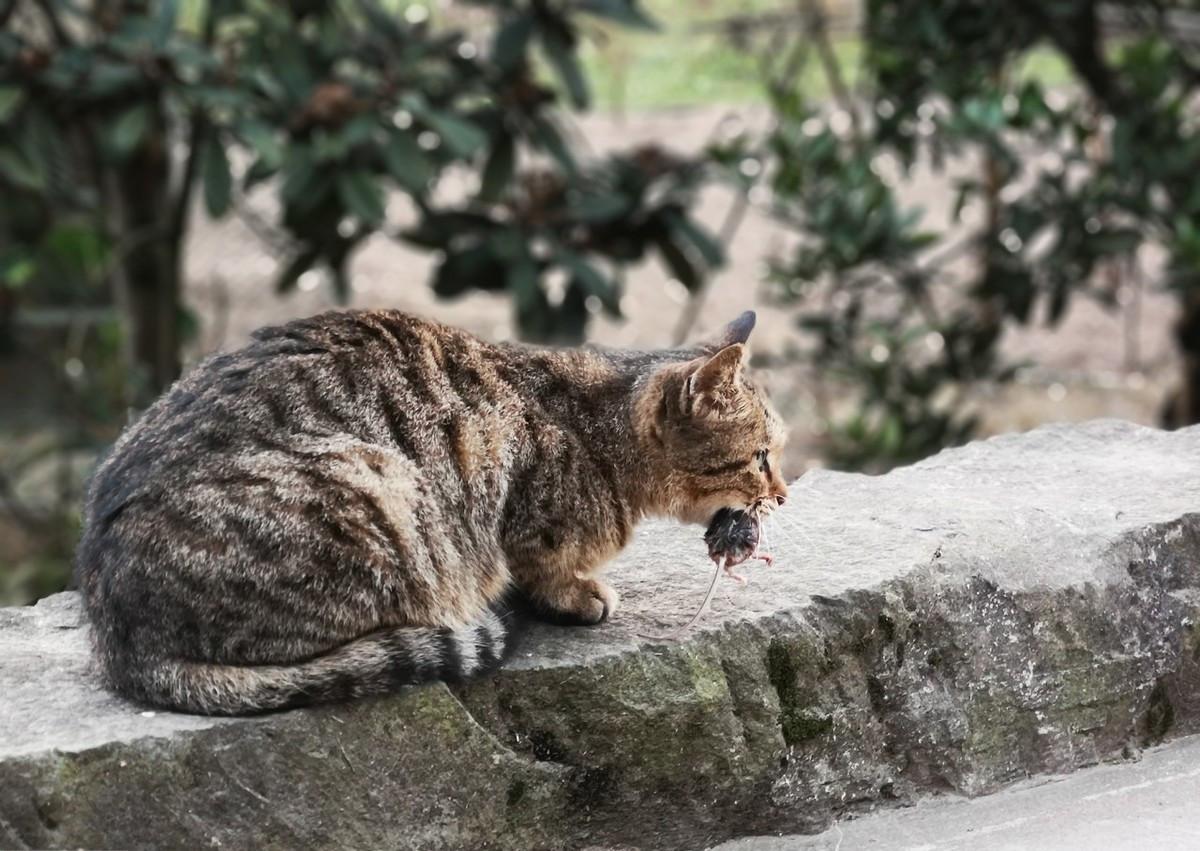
[(737, 331), (715, 385)]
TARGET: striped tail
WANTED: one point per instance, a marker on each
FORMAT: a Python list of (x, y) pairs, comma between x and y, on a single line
[(374, 664)]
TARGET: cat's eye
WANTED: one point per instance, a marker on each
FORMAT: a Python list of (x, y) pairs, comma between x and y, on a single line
[(761, 457)]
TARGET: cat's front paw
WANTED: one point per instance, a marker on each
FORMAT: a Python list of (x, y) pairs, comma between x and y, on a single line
[(585, 602), (608, 598)]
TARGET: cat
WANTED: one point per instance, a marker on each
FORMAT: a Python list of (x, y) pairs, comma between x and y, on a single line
[(350, 503)]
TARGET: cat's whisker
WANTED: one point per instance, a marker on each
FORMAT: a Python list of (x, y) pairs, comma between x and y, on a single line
[(791, 530), (789, 538), (787, 519), (797, 531)]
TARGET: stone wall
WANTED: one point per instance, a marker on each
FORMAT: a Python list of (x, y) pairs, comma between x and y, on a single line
[(1021, 605)]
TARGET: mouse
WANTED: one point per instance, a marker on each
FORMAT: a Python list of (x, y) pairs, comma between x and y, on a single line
[(733, 535)]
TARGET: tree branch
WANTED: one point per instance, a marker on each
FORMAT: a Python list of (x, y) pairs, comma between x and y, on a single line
[(187, 184), (56, 26), (1078, 37), (818, 30), (6, 12), (691, 310)]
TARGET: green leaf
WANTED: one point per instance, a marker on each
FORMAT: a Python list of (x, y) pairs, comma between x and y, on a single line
[(11, 99), (407, 162), (214, 172), (76, 250), (561, 55), (341, 283), (106, 78), (465, 270), (301, 263), (600, 207), (259, 171), (20, 171), (593, 282), (361, 196), (708, 247), (329, 147), (626, 12), (461, 136), (381, 19), (890, 435), (438, 230), (677, 262), (164, 25), (523, 281), (299, 174), (551, 141), (529, 300), (188, 323), (512, 40), (17, 270), (359, 130), (126, 133), (569, 320), (498, 171), (262, 138)]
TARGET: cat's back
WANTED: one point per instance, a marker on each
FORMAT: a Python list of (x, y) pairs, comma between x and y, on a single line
[(435, 394)]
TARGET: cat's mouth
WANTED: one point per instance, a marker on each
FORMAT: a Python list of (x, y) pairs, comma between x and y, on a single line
[(760, 509)]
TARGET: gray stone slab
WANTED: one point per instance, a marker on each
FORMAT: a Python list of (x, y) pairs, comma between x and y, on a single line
[(1151, 803), (1018, 606)]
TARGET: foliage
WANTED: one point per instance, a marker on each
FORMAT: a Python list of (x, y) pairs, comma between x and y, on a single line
[(112, 116), (1068, 180), (350, 118)]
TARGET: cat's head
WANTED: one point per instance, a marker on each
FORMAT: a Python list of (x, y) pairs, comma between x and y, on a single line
[(716, 437)]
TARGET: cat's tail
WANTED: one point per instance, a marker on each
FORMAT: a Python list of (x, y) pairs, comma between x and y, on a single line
[(374, 664)]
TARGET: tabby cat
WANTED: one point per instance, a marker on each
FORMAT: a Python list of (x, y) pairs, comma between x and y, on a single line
[(350, 502)]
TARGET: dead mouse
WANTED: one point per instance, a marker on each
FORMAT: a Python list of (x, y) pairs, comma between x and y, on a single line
[(734, 535)]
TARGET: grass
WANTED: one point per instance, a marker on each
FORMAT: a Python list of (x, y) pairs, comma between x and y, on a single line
[(681, 66), (675, 69), (1046, 66)]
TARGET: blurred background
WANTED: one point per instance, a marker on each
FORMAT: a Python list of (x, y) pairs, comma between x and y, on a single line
[(955, 217)]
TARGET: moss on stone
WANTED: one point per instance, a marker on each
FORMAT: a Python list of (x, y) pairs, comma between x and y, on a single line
[(799, 727), (782, 672), (797, 723), (1160, 714)]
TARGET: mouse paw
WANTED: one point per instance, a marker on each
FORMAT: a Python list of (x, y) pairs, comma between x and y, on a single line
[(736, 577)]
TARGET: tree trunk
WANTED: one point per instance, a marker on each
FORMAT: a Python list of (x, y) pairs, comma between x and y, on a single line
[(1183, 407), (8, 309), (151, 268)]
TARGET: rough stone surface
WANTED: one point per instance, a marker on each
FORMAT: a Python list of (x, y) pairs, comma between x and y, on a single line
[(1022, 605), (1149, 803)]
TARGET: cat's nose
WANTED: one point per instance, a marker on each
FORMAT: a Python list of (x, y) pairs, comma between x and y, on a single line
[(780, 499)]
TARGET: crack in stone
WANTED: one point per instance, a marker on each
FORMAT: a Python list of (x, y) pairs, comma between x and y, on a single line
[(496, 741)]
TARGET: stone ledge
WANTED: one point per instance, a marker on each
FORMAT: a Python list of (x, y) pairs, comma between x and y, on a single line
[(1021, 605)]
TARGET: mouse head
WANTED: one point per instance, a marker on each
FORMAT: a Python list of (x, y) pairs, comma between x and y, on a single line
[(715, 438)]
